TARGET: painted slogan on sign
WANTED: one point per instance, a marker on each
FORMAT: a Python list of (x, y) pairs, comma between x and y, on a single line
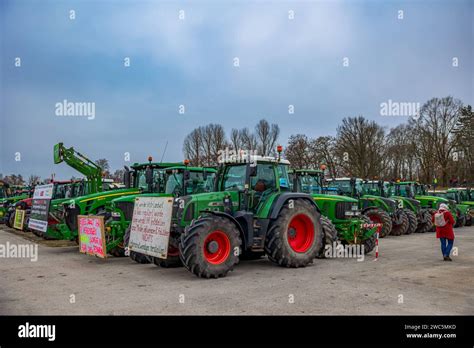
[(40, 207), (91, 235), (150, 228)]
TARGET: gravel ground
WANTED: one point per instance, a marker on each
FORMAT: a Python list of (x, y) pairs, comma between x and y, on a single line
[(409, 278)]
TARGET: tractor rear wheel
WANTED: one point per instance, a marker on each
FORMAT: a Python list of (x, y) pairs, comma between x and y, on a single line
[(295, 238), (379, 216), (412, 222), (329, 235), (402, 227), (460, 221), (137, 257), (210, 246)]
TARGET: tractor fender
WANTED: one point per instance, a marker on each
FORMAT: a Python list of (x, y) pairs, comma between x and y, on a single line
[(231, 218), (285, 197)]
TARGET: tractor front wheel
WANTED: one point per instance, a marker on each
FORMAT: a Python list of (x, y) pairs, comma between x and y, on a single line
[(412, 221), (329, 235), (172, 259), (379, 216), (210, 246), (295, 238), (402, 227)]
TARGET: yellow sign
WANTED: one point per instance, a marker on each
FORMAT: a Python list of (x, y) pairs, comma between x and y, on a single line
[(19, 219)]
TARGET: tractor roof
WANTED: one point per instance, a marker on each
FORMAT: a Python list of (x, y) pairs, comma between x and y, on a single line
[(309, 171), (193, 169), (234, 159), (155, 165)]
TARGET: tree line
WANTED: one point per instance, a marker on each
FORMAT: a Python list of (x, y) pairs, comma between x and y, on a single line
[(435, 145)]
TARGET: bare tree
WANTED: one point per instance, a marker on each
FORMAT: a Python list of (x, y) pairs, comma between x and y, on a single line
[(267, 137), (249, 140), (33, 179), (192, 147), (360, 144), (298, 151), (436, 126)]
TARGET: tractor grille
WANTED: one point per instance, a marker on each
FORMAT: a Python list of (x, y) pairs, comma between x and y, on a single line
[(126, 208), (341, 208), (71, 218)]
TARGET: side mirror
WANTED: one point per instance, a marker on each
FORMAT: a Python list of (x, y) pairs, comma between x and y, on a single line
[(149, 176)]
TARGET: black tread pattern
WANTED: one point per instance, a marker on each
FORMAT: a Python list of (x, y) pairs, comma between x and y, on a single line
[(402, 227), (384, 217), (329, 235), (412, 221), (190, 246), (278, 250)]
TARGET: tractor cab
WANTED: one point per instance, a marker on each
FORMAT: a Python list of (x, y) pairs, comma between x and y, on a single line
[(351, 187)]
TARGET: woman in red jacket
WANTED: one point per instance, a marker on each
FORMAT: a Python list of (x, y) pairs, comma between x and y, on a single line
[(444, 222)]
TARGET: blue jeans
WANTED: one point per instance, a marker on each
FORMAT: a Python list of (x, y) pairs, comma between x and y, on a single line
[(446, 246)]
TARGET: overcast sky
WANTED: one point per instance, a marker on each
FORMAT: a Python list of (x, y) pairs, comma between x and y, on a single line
[(190, 62)]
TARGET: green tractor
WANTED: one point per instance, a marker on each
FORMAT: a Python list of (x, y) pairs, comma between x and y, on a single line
[(463, 216), (380, 210), (403, 219), (252, 212), (465, 198), (62, 190), (9, 195), (406, 193), (342, 218), (92, 203), (168, 180), (428, 202)]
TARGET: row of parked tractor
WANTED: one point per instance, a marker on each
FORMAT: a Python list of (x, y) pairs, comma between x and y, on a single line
[(244, 208)]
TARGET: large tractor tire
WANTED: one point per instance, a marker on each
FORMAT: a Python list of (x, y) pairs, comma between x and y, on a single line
[(295, 238), (425, 226), (172, 261), (10, 219), (210, 246), (460, 221), (379, 216), (329, 235), (433, 227), (402, 227), (412, 221), (369, 243), (137, 257)]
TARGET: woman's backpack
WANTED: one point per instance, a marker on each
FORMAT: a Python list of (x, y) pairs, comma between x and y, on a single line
[(439, 219)]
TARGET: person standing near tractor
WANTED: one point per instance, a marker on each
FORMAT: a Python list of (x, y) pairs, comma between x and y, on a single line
[(444, 222)]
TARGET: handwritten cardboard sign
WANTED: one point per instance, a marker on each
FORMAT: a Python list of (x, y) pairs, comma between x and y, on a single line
[(19, 219), (91, 235), (150, 229)]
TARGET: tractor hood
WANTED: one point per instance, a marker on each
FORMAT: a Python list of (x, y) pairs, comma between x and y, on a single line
[(335, 198), (433, 198), (131, 198), (102, 195)]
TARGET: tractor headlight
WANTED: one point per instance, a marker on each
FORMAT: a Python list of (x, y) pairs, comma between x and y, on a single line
[(115, 214)]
